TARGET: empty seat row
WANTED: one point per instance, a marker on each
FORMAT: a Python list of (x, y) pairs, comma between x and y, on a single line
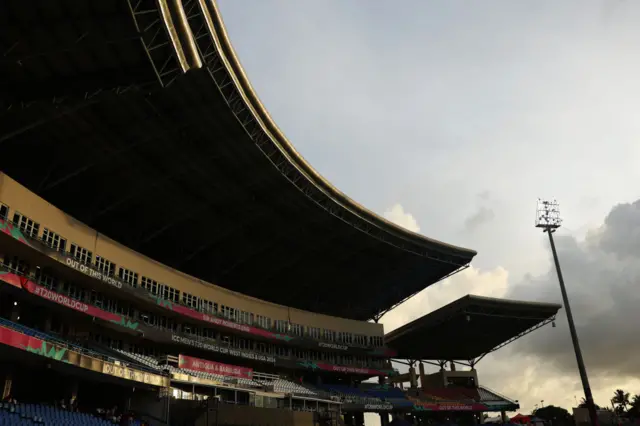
[(30, 414)]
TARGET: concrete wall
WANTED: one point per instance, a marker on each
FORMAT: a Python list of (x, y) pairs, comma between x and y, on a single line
[(231, 415)]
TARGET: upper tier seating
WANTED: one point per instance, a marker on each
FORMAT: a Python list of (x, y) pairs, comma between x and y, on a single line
[(286, 386), (32, 414), (350, 394), (240, 381), (384, 391), (446, 394), (148, 361), (280, 385), (487, 395)]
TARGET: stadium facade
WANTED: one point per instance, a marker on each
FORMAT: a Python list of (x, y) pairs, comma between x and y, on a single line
[(166, 250)]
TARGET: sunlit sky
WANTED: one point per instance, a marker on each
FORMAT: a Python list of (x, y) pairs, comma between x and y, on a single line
[(451, 118)]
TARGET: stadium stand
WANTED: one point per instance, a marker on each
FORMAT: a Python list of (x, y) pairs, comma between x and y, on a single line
[(146, 263), (30, 414)]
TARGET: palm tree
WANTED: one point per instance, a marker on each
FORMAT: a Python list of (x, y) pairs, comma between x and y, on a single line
[(621, 399), (634, 409)]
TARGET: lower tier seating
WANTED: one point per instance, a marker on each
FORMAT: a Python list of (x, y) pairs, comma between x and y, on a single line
[(34, 414)]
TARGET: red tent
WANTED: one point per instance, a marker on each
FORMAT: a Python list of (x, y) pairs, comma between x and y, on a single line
[(521, 419)]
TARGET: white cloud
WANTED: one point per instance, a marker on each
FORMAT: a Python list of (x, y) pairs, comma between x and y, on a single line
[(397, 215), (491, 283), (439, 129)]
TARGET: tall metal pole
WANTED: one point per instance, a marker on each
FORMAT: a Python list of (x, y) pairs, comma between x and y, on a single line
[(593, 415), (549, 220)]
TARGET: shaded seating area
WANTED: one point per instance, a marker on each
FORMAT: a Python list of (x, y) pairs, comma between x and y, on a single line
[(59, 341), (35, 414), (384, 392), (350, 394)]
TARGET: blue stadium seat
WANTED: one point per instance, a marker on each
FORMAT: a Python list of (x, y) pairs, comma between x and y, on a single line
[(35, 414)]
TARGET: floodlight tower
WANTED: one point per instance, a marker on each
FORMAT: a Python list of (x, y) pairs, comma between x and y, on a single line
[(548, 219)]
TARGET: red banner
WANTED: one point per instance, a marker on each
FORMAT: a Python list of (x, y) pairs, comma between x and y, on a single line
[(68, 302), (351, 370), (60, 299), (18, 340), (205, 366), (222, 322), (447, 406), (31, 344), (12, 279)]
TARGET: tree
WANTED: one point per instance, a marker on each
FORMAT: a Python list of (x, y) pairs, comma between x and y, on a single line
[(634, 409), (583, 404), (620, 400), (557, 416)]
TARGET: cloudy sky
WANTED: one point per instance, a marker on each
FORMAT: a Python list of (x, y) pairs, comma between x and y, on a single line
[(451, 118)]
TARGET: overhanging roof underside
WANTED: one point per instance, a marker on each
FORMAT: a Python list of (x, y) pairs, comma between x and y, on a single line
[(469, 328), (98, 118)]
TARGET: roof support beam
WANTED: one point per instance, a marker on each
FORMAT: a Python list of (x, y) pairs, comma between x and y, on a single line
[(384, 312)]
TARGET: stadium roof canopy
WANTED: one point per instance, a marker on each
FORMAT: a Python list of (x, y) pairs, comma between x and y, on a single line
[(469, 328), (156, 139)]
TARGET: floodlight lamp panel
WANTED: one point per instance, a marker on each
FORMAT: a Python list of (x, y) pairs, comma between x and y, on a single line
[(548, 214)]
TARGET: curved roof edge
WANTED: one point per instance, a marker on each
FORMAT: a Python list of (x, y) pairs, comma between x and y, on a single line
[(470, 299), (278, 137)]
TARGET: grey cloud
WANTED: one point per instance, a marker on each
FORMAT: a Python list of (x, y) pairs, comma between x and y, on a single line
[(484, 195), (482, 216), (602, 275)]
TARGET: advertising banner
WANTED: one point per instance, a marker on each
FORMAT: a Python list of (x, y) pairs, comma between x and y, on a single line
[(212, 367), (221, 322), (11, 278), (345, 369), (131, 374), (376, 408), (9, 229), (31, 344), (66, 301), (225, 350), (43, 348), (447, 406)]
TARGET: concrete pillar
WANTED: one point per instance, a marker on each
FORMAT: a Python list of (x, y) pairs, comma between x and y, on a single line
[(74, 389), (422, 379), (412, 377), (15, 312), (8, 383)]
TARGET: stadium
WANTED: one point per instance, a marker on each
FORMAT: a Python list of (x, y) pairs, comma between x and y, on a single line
[(168, 258)]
